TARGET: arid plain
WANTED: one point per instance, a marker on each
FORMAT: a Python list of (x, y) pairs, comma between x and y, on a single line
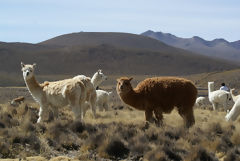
[(117, 134)]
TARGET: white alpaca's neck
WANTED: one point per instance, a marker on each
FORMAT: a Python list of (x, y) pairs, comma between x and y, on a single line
[(210, 88), (94, 81), (34, 88)]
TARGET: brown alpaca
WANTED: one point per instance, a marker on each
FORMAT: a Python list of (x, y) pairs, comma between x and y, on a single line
[(160, 95)]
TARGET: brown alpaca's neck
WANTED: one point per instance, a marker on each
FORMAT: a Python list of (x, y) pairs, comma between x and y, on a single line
[(33, 85), (133, 99)]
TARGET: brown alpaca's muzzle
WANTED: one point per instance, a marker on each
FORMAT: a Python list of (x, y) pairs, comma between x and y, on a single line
[(121, 87)]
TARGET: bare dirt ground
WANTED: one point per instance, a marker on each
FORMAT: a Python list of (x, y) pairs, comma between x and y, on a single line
[(117, 134)]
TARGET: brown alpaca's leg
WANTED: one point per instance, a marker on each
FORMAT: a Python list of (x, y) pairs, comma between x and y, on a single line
[(149, 116), (159, 117), (188, 116)]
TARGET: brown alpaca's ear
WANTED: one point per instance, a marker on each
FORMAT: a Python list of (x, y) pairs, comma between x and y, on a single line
[(130, 79), (233, 89), (22, 65)]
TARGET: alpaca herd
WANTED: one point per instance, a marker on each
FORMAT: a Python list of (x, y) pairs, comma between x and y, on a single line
[(155, 96), (221, 98)]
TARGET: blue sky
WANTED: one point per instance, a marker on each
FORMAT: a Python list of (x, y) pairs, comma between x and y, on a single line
[(37, 20)]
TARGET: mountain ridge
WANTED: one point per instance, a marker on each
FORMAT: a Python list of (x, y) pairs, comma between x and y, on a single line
[(115, 54), (218, 48)]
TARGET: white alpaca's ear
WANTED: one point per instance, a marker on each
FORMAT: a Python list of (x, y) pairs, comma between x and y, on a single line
[(22, 64), (34, 65), (99, 70)]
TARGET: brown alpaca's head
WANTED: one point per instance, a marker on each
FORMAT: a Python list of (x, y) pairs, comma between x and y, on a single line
[(124, 85), (28, 70)]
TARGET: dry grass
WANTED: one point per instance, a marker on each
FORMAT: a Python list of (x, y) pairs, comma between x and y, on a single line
[(116, 134)]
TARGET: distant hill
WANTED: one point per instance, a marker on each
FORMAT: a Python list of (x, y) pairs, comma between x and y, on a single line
[(229, 77), (219, 48), (122, 40), (115, 53)]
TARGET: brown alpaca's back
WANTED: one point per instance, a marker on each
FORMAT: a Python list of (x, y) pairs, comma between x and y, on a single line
[(167, 92)]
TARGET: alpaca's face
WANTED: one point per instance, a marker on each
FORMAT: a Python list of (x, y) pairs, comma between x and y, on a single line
[(99, 77), (124, 85), (28, 70)]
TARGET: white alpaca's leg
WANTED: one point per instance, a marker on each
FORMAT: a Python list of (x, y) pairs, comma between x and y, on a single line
[(82, 107), (105, 105), (93, 104), (76, 112), (100, 105), (55, 112), (225, 106), (86, 106), (77, 106), (42, 112), (40, 115), (215, 105), (108, 103)]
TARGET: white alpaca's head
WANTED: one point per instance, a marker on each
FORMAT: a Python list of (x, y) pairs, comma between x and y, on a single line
[(124, 85), (98, 78), (28, 70)]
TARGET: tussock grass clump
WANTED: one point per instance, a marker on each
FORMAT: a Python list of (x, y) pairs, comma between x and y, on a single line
[(4, 150), (7, 120), (116, 149), (201, 154), (233, 155)]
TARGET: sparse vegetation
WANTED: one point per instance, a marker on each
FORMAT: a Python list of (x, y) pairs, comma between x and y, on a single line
[(119, 133), (116, 134)]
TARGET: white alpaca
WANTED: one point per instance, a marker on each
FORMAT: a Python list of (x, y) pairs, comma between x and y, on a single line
[(235, 98), (91, 93), (218, 97), (98, 78), (103, 99), (55, 94), (235, 111), (202, 102)]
